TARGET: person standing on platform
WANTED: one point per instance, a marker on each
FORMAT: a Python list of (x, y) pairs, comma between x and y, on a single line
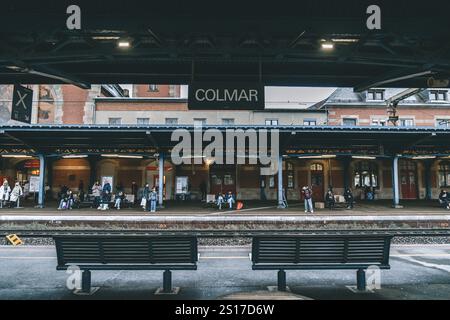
[(96, 193), (153, 197), (81, 190), (145, 196), (307, 196)]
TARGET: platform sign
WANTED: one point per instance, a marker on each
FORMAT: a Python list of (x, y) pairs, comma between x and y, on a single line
[(232, 96), (22, 104), (34, 184)]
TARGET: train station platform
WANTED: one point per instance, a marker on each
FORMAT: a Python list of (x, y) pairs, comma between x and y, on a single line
[(414, 214)]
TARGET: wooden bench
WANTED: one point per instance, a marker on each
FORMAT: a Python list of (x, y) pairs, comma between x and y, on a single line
[(311, 252), (134, 252)]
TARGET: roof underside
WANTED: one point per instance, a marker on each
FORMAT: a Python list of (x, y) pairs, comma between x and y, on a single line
[(179, 41), (294, 140)]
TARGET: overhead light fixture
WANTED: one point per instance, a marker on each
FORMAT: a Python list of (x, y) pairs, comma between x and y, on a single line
[(327, 45), (105, 38), (75, 156), (345, 40), (113, 155), (364, 157), (15, 156), (423, 157), (324, 156), (123, 44), (130, 157)]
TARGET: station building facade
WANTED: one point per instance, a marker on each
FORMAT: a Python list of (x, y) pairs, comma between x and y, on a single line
[(420, 177)]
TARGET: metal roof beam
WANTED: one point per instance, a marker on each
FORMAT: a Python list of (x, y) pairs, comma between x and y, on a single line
[(396, 75)]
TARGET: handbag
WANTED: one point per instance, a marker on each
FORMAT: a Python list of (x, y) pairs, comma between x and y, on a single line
[(143, 202)]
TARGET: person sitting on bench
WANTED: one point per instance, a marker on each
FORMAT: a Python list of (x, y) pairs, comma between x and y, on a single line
[(348, 196), (120, 196), (220, 200), (444, 199), (230, 199), (329, 198)]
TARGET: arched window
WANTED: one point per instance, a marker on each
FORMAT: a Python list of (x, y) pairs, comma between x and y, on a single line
[(366, 174), (444, 174), (316, 167)]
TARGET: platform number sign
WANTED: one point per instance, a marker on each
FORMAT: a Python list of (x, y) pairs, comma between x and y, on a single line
[(21, 104)]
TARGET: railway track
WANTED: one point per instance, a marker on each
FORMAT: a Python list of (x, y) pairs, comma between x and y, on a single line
[(227, 233)]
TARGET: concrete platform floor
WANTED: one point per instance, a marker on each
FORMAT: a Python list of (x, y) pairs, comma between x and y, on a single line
[(263, 208), (417, 272)]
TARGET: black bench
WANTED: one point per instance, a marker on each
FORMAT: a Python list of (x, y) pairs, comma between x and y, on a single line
[(311, 252), (134, 252)]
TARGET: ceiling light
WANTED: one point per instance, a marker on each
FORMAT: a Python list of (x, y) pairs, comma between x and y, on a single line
[(123, 44), (364, 157), (423, 157), (327, 46), (74, 156), (15, 156)]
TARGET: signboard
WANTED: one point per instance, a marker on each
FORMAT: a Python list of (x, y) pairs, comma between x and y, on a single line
[(34, 163), (233, 96), (21, 104), (34, 184)]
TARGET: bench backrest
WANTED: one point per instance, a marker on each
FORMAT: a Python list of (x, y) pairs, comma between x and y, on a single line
[(100, 249), (313, 250)]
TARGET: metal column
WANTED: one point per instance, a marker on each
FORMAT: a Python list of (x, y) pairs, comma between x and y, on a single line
[(280, 182), (161, 180), (41, 199), (395, 185)]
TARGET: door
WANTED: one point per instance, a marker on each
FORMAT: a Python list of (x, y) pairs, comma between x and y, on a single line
[(408, 180), (222, 179), (317, 181)]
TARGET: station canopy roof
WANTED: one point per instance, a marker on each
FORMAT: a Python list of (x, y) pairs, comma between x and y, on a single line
[(58, 140), (179, 41)]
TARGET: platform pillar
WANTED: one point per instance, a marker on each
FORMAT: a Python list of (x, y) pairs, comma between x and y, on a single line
[(395, 185), (427, 166), (280, 182), (161, 180), (41, 198)]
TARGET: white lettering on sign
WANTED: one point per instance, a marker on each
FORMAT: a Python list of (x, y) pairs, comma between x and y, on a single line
[(226, 95), (374, 20), (73, 22)]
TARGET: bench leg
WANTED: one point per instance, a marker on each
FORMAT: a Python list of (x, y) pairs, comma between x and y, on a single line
[(281, 280), (167, 281), (86, 281), (361, 280)]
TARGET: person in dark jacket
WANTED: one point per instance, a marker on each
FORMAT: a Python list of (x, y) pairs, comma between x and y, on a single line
[(329, 199), (444, 199), (348, 196)]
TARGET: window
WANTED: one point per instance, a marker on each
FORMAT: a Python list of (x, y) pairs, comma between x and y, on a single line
[(153, 88), (438, 95), (271, 122), (143, 121), (349, 122), (375, 95), (115, 121), (316, 167), (309, 122), (378, 122), (443, 123), (444, 174), (290, 175), (228, 122), (366, 174), (199, 122), (171, 120), (406, 122)]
